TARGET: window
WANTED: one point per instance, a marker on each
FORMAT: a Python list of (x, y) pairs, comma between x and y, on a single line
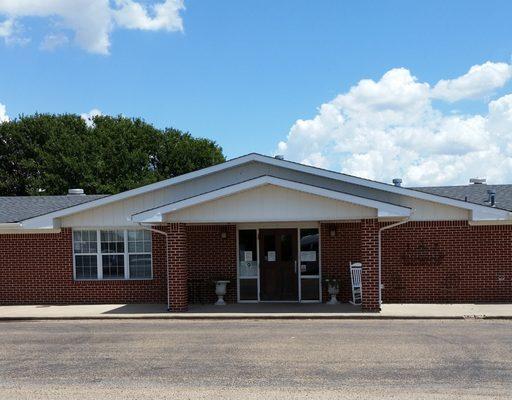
[(310, 264), (85, 249), (309, 247), (139, 249), (248, 265), (112, 254)]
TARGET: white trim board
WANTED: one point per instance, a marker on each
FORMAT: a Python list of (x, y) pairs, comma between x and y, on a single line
[(478, 212), (384, 210)]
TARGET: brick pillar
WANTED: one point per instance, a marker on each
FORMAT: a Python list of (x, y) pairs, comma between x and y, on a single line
[(178, 269), (369, 259)]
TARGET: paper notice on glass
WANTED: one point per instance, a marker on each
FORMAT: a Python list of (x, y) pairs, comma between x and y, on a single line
[(271, 256), (247, 255), (308, 256)]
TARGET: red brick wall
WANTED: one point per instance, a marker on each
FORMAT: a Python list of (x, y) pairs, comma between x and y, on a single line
[(427, 262), (447, 262), (337, 252), (38, 269), (422, 262), (211, 257)]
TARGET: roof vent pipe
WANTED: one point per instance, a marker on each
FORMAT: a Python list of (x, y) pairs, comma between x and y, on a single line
[(477, 181), (492, 197), (75, 192), (279, 157), (397, 182)]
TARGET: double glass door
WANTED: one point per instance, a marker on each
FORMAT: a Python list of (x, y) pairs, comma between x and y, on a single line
[(279, 265)]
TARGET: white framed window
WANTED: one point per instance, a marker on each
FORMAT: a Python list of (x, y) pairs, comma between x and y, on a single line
[(112, 254), (139, 253), (85, 249)]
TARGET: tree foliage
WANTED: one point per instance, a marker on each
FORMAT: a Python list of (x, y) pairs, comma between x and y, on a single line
[(48, 154)]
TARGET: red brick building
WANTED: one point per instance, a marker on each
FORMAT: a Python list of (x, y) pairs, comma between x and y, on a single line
[(275, 229)]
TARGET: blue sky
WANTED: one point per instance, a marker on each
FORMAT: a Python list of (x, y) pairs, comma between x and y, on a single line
[(243, 72)]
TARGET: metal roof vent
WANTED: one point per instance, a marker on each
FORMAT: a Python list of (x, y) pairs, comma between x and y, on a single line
[(75, 192), (491, 199), (279, 157), (397, 182), (477, 181)]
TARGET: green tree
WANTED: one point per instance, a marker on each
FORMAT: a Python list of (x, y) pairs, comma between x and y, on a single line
[(48, 154)]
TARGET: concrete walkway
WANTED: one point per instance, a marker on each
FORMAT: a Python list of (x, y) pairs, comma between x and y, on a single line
[(255, 311)]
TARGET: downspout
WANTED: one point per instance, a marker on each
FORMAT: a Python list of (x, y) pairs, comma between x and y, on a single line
[(379, 251), (148, 228)]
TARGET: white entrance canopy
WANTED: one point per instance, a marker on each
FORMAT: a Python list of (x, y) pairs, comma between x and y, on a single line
[(355, 207)]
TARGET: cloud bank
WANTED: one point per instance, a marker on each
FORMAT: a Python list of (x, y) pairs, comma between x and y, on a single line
[(91, 21), (391, 128)]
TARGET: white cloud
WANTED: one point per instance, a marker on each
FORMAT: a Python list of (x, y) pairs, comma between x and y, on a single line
[(133, 15), (478, 81), (92, 21), (89, 116), (52, 41), (389, 128), (3, 114), (6, 28), (11, 32)]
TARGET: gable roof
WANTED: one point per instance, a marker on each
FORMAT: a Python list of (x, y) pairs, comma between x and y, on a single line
[(478, 211), (475, 193), (18, 208), (384, 209)]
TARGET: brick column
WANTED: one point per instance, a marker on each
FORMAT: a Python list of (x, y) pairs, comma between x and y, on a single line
[(178, 269), (369, 259)]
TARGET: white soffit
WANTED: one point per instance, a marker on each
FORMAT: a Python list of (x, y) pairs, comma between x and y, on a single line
[(384, 210)]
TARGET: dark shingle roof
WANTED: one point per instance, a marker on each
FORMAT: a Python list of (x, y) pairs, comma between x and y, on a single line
[(19, 208), (474, 193)]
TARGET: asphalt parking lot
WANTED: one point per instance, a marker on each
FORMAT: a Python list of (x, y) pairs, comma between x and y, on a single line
[(310, 359)]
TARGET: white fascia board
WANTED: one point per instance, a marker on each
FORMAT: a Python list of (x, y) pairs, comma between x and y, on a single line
[(384, 210), (495, 214), (43, 222), (490, 214), (10, 225)]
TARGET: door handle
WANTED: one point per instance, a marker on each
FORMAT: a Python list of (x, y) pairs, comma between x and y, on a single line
[(295, 266)]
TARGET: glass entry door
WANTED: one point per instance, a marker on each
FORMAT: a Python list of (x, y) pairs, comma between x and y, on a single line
[(278, 264)]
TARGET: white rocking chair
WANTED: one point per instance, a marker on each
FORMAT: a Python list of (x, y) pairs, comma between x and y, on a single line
[(355, 275)]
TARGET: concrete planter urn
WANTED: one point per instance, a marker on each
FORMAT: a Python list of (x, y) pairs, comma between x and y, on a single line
[(220, 291), (333, 288)]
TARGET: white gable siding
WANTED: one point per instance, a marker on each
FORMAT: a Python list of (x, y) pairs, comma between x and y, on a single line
[(429, 211), (271, 203), (118, 213)]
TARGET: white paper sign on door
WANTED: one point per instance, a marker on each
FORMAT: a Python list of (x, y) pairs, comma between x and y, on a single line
[(271, 256), (247, 255), (306, 256)]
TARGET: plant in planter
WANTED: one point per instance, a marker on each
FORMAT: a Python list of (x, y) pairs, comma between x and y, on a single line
[(333, 288)]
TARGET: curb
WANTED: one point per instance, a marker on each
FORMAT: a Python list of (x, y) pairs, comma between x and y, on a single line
[(258, 317)]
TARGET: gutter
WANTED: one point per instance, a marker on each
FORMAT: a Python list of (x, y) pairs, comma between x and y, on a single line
[(379, 241), (148, 228)]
